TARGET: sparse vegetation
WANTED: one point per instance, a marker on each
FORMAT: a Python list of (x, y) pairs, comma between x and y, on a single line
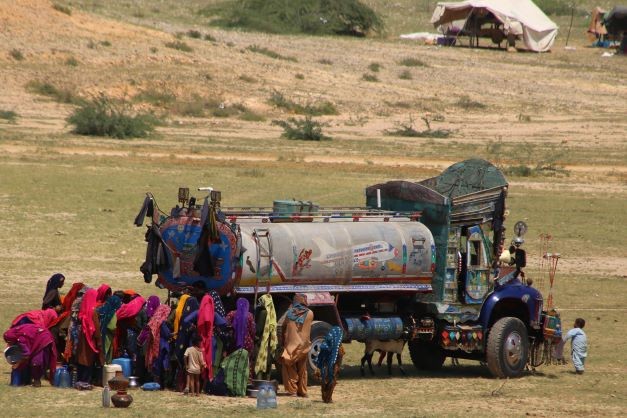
[(405, 75), (247, 78), (299, 76), (16, 54), (317, 17), (102, 116), (179, 45), (408, 130), (369, 77), (322, 108), (209, 37), (8, 115), (325, 61), (524, 118), (59, 94), (269, 53), (250, 116), (105, 43), (193, 33), (155, 96), (305, 129), (72, 62), (467, 103), (374, 67), (253, 172), (412, 62), (62, 8)]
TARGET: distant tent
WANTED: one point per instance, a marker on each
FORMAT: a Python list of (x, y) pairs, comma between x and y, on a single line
[(521, 18)]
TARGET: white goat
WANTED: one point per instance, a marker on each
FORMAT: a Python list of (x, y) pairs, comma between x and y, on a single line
[(390, 347)]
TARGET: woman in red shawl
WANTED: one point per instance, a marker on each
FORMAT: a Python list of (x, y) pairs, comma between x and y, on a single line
[(89, 351), (205, 330), (44, 318), (38, 350), (104, 291)]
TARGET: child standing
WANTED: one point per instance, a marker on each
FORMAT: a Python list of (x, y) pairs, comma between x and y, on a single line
[(579, 345), (194, 364)]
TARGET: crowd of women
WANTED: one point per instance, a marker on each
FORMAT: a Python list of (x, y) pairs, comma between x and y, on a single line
[(189, 341)]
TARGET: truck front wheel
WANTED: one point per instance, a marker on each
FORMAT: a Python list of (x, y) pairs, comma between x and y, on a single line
[(319, 330), (426, 356), (508, 347)]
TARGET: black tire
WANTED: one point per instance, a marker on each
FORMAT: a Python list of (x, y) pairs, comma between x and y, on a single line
[(425, 355), (508, 348), (319, 330)]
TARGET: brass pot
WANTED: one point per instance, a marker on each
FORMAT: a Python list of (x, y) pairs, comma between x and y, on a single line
[(118, 382)]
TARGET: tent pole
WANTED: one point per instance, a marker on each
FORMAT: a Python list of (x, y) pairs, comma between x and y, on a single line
[(572, 14)]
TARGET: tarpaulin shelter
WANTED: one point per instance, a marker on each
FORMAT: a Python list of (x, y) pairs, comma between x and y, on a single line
[(616, 20), (521, 18)]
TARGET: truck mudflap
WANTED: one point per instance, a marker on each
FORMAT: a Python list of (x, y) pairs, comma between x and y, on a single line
[(462, 337), (543, 349)]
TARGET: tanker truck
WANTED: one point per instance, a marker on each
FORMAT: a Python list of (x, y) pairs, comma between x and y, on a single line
[(420, 261)]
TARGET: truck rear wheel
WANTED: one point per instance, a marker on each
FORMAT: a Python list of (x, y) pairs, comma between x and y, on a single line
[(425, 355), (507, 348)]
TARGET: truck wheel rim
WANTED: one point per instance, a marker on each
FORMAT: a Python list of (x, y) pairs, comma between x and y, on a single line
[(513, 349), (314, 352)]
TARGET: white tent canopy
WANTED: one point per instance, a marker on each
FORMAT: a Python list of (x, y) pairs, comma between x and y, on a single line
[(519, 17)]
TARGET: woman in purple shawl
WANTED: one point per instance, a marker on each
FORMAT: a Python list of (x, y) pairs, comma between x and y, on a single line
[(243, 324), (38, 350)]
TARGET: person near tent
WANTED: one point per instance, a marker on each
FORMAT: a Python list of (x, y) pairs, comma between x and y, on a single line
[(296, 330), (108, 325), (329, 362), (89, 352), (243, 324), (52, 297), (38, 352), (266, 340)]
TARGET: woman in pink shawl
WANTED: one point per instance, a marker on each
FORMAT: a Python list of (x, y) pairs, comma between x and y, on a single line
[(38, 350), (44, 318), (205, 330), (104, 291), (89, 351)]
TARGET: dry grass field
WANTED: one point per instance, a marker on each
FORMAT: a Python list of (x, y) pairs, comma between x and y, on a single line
[(67, 201)]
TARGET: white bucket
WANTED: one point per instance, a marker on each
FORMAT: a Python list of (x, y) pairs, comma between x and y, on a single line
[(108, 372)]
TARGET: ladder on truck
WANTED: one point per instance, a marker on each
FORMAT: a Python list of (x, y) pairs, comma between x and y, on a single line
[(262, 236)]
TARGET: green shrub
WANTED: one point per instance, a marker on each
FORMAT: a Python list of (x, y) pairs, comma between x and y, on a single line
[(269, 53), (72, 62), (16, 54), (192, 33), (322, 108), (155, 97), (405, 75), (325, 61), (62, 8), (105, 43), (61, 95), (179, 45), (8, 115), (101, 116), (318, 17), (412, 62), (299, 76), (305, 129), (209, 37), (250, 116), (408, 130), (369, 77), (374, 67)]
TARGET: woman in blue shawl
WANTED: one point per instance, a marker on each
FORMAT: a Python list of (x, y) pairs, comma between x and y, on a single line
[(108, 324), (329, 361)]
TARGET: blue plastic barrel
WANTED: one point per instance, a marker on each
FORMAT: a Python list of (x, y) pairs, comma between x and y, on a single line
[(65, 380), (125, 363)]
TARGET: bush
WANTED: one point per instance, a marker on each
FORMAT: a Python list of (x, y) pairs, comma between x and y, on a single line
[(412, 62), (62, 8), (103, 117), (317, 17), (467, 103), (8, 115), (16, 54), (322, 108), (269, 53), (302, 129), (61, 95), (374, 67), (369, 77), (405, 75), (179, 45), (192, 33), (72, 62), (408, 130)]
